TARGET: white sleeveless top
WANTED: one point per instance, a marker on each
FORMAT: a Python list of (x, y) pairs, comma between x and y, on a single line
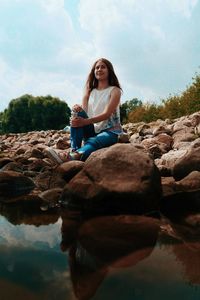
[(98, 100)]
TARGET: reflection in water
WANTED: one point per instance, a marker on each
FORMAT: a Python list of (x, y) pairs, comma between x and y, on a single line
[(27, 212), (103, 243), (108, 257), (185, 245), (189, 256), (188, 253), (43, 237), (31, 263)]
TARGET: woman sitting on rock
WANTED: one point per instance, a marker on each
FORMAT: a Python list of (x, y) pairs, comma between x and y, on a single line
[(97, 121)]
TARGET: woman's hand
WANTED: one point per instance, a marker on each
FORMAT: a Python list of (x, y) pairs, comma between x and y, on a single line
[(78, 122), (77, 108)]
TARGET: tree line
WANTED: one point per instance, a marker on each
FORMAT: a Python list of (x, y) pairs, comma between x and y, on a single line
[(29, 113)]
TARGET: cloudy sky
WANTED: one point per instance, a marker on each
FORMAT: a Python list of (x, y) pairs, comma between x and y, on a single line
[(49, 46)]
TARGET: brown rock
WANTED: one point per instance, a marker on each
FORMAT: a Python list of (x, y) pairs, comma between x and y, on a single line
[(37, 153), (185, 134), (13, 166), (158, 145), (116, 178), (21, 150), (168, 186), (14, 184), (51, 197), (4, 161), (169, 159), (190, 183), (49, 179), (124, 138), (188, 162), (37, 164), (69, 169), (195, 119), (63, 144), (161, 129)]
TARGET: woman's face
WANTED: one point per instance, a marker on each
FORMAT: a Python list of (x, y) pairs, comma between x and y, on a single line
[(101, 71)]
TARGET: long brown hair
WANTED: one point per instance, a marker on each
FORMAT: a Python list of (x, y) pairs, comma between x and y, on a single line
[(92, 82)]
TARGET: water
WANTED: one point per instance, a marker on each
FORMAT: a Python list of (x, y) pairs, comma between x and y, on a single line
[(53, 256)]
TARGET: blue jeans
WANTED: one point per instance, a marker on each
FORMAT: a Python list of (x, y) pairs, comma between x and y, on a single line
[(92, 141)]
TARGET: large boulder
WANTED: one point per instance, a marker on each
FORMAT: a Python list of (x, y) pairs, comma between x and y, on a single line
[(120, 178)]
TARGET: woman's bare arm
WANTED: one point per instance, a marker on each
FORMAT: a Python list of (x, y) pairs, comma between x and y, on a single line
[(86, 99)]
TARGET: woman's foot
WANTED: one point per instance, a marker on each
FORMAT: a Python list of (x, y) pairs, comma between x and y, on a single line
[(62, 156)]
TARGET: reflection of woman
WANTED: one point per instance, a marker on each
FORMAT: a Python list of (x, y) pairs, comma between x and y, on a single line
[(97, 122), (86, 272)]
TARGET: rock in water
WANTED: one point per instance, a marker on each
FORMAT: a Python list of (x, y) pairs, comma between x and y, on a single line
[(14, 184)]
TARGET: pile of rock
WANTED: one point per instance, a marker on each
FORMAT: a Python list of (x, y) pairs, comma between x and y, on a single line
[(157, 168)]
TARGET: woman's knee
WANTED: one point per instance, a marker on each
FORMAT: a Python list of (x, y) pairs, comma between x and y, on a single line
[(82, 114), (102, 140), (106, 139)]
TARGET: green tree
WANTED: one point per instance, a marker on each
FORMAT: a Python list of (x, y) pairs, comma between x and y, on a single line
[(1, 121), (28, 113), (191, 97), (128, 107), (172, 107)]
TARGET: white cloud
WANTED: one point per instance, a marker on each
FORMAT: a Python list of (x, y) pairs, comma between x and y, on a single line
[(52, 5), (39, 83), (184, 7), (145, 39), (153, 45), (97, 16), (39, 51)]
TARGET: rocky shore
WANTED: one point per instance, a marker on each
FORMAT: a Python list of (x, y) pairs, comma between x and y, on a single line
[(155, 168), (117, 205)]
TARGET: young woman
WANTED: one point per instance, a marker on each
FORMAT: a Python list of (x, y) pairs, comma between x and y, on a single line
[(97, 121)]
